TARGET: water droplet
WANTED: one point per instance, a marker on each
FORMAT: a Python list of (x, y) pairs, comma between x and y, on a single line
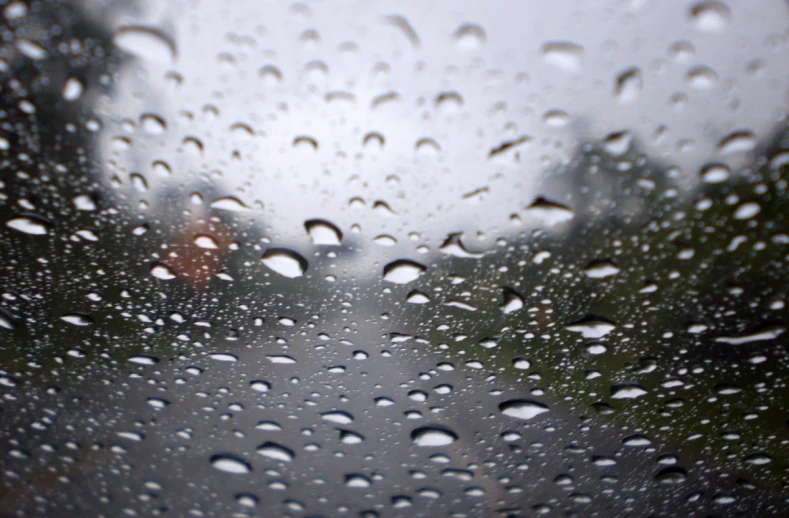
[(601, 268), (549, 212), (455, 247), (758, 459), (513, 301), (563, 55), (31, 49), (84, 202), (223, 357), (285, 262), (29, 225), (432, 436), (144, 359), (338, 417), (260, 386), (145, 42), (628, 85), (205, 241), (229, 203), (618, 143), (710, 16), (757, 336), (162, 271), (469, 37), (521, 363), (737, 142), (357, 481), (276, 451), (702, 78), (715, 173), (403, 271), (73, 89), (627, 391), (671, 476), (230, 464), (592, 326), (417, 297), (348, 437), (323, 232), (385, 240), (524, 409), (77, 319), (153, 124), (747, 210)]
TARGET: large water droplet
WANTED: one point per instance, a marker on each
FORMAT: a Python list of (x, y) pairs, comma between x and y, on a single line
[(710, 16), (564, 55), (469, 37), (433, 436), (276, 451), (285, 262), (627, 391), (549, 212), (145, 42), (229, 203), (338, 417), (628, 85), (323, 232), (77, 319), (524, 409), (162, 271), (592, 326), (230, 464), (403, 271), (29, 225)]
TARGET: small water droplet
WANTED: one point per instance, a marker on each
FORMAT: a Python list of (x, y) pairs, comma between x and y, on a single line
[(628, 85), (77, 319)]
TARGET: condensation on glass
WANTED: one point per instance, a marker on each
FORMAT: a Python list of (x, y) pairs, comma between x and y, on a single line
[(366, 258)]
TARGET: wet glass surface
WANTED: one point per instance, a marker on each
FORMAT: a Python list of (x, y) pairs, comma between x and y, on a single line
[(394, 259)]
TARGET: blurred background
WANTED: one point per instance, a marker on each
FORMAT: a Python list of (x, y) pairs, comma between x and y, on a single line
[(340, 258)]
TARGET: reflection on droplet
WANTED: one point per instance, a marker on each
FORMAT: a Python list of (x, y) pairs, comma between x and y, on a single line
[(432, 436), (230, 464), (276, 451), (145, 42), (403, 271), (524, 409), (285, 262), (323, 232), (747, 210)]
